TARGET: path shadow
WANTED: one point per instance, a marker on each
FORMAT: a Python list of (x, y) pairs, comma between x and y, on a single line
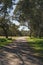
[(22, 51)]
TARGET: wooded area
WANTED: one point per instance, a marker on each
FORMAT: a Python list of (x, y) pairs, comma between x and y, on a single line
[(30, 11), (21, 45)]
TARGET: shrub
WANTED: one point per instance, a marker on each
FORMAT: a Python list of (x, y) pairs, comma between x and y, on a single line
[(3, 39)]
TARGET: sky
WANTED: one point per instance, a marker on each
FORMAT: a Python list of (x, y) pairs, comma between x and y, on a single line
[(16, 22), (21, 27)]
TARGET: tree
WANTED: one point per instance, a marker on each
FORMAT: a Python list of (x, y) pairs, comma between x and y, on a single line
[(5, 5), (14, 30), (31, 11)]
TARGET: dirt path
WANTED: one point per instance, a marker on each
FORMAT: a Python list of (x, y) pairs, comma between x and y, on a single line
[(18, 53)]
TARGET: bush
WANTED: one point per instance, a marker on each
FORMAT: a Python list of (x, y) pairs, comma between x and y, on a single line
[(3, 39)]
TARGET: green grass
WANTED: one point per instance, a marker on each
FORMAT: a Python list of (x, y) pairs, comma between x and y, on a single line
[(4, 41), (37, 45)]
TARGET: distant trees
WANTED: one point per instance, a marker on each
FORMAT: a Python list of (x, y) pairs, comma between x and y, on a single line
[(14, 31), (4, 24), (31, 11), (25, 33), (11, 31)]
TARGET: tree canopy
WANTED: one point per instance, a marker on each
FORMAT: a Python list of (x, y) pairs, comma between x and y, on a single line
[(31, 11), (5, 7)]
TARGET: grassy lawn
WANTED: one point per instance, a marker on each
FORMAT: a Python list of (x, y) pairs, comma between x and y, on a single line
[(4, 41), (37, 45)]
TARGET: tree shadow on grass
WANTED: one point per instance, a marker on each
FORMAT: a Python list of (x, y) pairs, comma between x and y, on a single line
[(23, 51), (37, 48)]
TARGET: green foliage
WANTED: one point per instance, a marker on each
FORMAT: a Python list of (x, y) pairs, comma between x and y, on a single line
[(4, 15), (31, 11), (14, 30), (7, 4), (4, 21), (4, 41), (37, 45)]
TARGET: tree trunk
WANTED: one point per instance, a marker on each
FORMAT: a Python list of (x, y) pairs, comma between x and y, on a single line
[(6, 35), (30, 33), (5, 32), (39, 33)]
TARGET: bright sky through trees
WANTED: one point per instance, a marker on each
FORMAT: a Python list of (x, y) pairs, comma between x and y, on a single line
[(16, 22)]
